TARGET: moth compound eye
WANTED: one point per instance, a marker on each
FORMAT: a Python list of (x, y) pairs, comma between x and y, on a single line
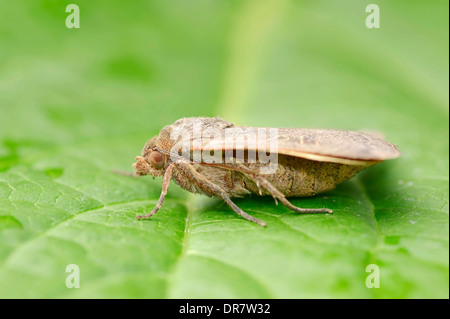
[(156, 159)]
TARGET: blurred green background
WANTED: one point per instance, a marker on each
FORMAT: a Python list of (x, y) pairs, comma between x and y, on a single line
[(77, 103)]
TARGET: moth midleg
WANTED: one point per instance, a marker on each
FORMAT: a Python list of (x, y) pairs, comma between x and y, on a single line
[(165, 187), (203, 182), (276, 194)]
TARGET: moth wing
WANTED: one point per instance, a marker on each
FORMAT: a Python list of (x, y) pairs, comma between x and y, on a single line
[(336, 146)]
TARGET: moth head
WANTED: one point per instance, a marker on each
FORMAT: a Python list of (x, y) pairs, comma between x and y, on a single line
[(151, 162)]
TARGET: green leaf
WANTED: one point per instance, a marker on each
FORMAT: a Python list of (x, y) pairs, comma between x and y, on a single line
[(78, 103)]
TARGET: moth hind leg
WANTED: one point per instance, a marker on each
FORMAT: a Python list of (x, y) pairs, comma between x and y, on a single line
[(277, 195)]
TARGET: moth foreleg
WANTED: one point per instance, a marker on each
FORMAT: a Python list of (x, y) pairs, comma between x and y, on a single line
[(165, 188), (276, 194), (203, 182)]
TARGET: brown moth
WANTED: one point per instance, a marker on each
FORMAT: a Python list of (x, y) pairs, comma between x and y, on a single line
[(219, 159)]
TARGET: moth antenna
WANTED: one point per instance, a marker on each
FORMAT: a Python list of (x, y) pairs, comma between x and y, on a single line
[(123, 173)]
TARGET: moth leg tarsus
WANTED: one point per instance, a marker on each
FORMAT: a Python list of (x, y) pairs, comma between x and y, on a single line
[(147, 216), (165, 188), (218, 191), (305, 210)]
